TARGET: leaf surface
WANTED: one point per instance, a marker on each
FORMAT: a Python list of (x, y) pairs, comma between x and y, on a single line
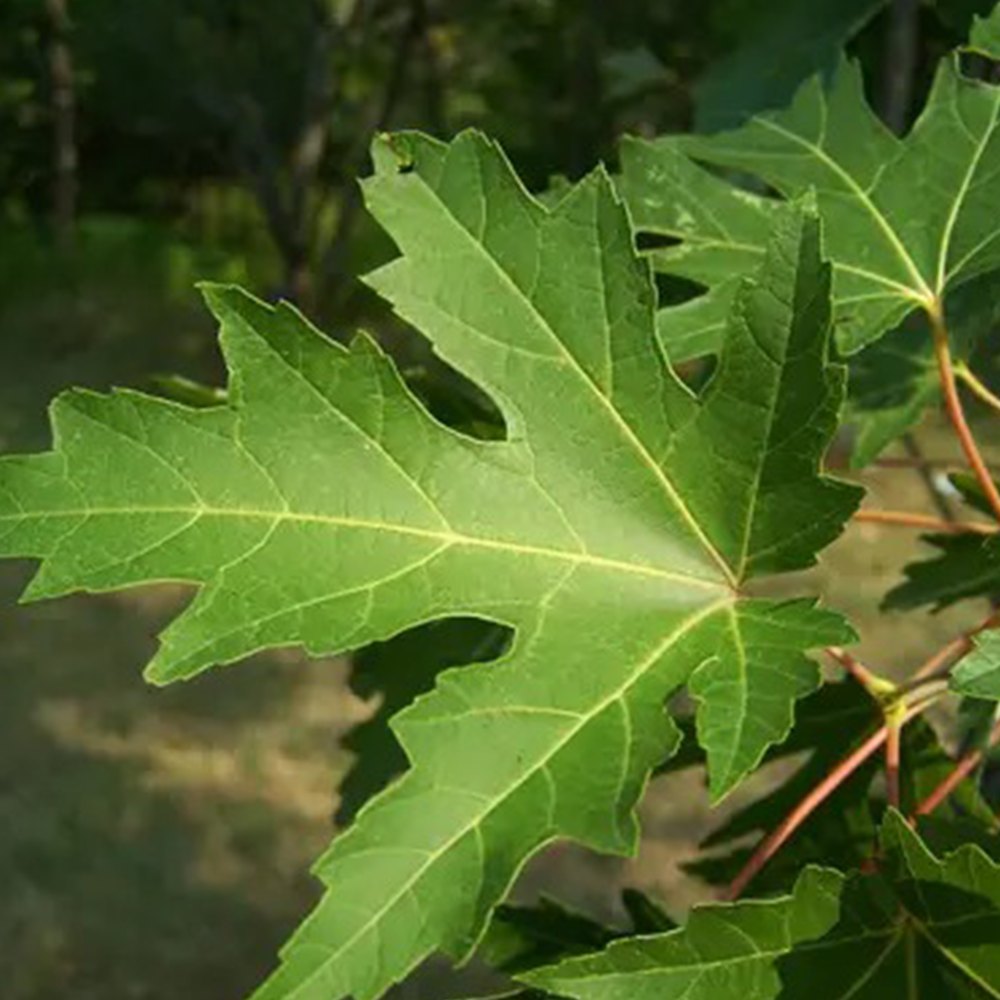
[(978, 674), (892, 382), (612, 530)]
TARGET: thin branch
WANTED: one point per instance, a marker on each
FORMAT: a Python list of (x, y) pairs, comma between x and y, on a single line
[(868, 679), (940, 665), (963, 768), (65, 152), (917, 463), (955, 412), (927, 477), (900, 61), (900, 57), (908, 520), (940, 674), (332, 263), (966, 374), (892, 753), (770, 845), (927, 686), (309, 150)]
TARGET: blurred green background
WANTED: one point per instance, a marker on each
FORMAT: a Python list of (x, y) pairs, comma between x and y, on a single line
[(155, 845)]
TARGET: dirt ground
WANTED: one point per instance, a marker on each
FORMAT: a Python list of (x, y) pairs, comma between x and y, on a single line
[(155, 844)]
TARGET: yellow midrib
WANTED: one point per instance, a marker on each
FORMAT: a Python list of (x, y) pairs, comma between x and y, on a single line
[(437, 535), (920, 289)]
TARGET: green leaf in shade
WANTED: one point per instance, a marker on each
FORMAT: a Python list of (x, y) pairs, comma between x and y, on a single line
[(783, 44), (984, 36), (724, 951), (928, 763), (947, 927), (922, 928), (978, 673), (400, 670), (520, 938), (967, 565), (976, 720), (891, 384), (647, 916), (907, 221), (612, 530)]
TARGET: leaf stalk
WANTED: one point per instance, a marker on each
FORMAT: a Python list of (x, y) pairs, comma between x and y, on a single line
[(770, 845), (953, 404), (907, 519), (963, 768), (976, 386), (928, 685)]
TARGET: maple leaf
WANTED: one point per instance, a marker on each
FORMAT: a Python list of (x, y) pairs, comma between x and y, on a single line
[(966, 564), (923, 928), (908, 221), (612, 529)]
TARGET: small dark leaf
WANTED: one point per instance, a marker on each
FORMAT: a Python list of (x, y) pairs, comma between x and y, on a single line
[(520, 938), (892, 382), (967, 565), (646, 915)]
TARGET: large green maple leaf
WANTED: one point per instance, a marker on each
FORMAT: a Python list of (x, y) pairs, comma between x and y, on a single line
[(907, 221), (613, 530), (923, 928)]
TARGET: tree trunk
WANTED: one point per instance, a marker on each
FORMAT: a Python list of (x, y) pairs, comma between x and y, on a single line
[(65, 156)]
